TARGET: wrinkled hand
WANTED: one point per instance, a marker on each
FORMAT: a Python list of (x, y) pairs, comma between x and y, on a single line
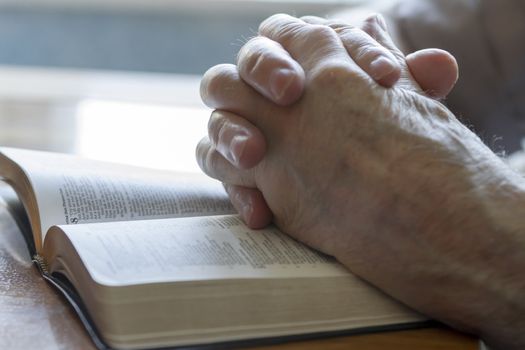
[(268, 68), (342, 117), (387, 180)]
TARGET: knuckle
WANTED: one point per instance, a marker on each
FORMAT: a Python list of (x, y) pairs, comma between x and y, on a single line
[(217, 167), (258, 59), (290, 33), (247, 49), (336, 77), (251, 56), (216, 124), (335, 72), (214, 81), (201, 153), (343, 29), (273, 22), (212, 164), (368, 52), (373, 19), (280, 28), (354, 39), (321, 32)]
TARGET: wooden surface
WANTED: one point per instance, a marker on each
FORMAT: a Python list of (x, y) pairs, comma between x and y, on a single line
[(34, 316)]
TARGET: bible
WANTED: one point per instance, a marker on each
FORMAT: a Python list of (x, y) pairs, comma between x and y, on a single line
[(156, 259)]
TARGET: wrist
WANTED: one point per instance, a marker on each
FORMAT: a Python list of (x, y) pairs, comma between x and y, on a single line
[(451, 243), (501, 304), (481, 275)]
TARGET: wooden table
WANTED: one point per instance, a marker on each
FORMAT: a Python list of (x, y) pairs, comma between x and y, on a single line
[(34, 316)]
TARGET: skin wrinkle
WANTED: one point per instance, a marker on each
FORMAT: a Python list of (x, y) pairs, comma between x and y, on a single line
[(430, 250), (363, 157), (224, 128), (384, 178), (365, 48), (216, 124), (287, 33), (331, 77), (455, 264), (479, 279), (295, 35), (246, 52), (218, 83), (254, 60)]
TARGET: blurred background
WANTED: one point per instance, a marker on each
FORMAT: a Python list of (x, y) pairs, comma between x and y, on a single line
[(118, 79)]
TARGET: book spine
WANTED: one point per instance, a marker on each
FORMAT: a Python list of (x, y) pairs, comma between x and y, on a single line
[(41, 264)]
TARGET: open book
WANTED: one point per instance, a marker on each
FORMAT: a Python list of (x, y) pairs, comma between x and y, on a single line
[(157, 259)]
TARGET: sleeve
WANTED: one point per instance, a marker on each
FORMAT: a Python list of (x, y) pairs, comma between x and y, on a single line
[(487, 37), (488, 40)]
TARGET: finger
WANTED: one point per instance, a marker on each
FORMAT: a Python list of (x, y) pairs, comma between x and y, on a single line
[(236, 139), (436, 71), (251, 205), (222, 88), (269, 69), (310, 45), (371, 56), (216, 166), (431, 71), (375, 26)]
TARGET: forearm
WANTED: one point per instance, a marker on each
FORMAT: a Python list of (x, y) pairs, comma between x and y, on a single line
[(463, 263), (499, 309), (387, 181)]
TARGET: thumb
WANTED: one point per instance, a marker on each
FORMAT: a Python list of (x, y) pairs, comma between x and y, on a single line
[(435, 70)]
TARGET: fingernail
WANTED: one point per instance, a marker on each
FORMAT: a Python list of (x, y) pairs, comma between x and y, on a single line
[(280, 81), (381, 67), (236, 148)]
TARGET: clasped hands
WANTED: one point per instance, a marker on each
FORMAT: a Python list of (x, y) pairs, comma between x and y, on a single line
[(329, 131), (272, 71)]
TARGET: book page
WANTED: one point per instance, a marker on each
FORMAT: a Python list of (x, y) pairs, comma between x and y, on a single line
[(74, 190), (188, 249)]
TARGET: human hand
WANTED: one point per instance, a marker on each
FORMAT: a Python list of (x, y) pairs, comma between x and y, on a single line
[(224, 89), (386, 180), (268, 68)]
